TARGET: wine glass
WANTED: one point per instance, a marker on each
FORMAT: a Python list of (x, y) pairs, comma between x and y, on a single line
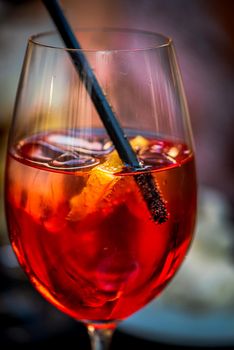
[(78, 222)]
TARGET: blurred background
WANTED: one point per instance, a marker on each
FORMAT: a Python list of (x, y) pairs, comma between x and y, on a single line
[(197, 309)]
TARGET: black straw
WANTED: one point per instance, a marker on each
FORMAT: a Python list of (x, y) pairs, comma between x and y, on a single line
[(86, 74), (146, 183)]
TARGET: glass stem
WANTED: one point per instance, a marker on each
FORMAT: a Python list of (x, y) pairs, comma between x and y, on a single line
[(100, 336)]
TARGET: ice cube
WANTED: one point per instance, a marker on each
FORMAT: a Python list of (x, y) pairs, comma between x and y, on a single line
[(115, 271), (43, 198), (39, 151), (56, 221), (73, 160), (151, 156), (86, 144)]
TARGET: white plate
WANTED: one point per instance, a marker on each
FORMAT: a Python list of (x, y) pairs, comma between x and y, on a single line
[(159, 323)]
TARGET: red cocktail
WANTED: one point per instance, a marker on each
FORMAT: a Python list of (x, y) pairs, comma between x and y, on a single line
[(81, 229)]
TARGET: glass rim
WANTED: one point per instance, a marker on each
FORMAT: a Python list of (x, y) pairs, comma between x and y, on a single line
[(166, 40)]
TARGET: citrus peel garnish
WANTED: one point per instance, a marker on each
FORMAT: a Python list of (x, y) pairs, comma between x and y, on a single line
[(101, 184)]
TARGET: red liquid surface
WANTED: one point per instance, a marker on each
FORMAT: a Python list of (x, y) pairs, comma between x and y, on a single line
[(82, 231)]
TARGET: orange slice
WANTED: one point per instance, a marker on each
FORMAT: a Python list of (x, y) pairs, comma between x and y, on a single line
[(102, 184)]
